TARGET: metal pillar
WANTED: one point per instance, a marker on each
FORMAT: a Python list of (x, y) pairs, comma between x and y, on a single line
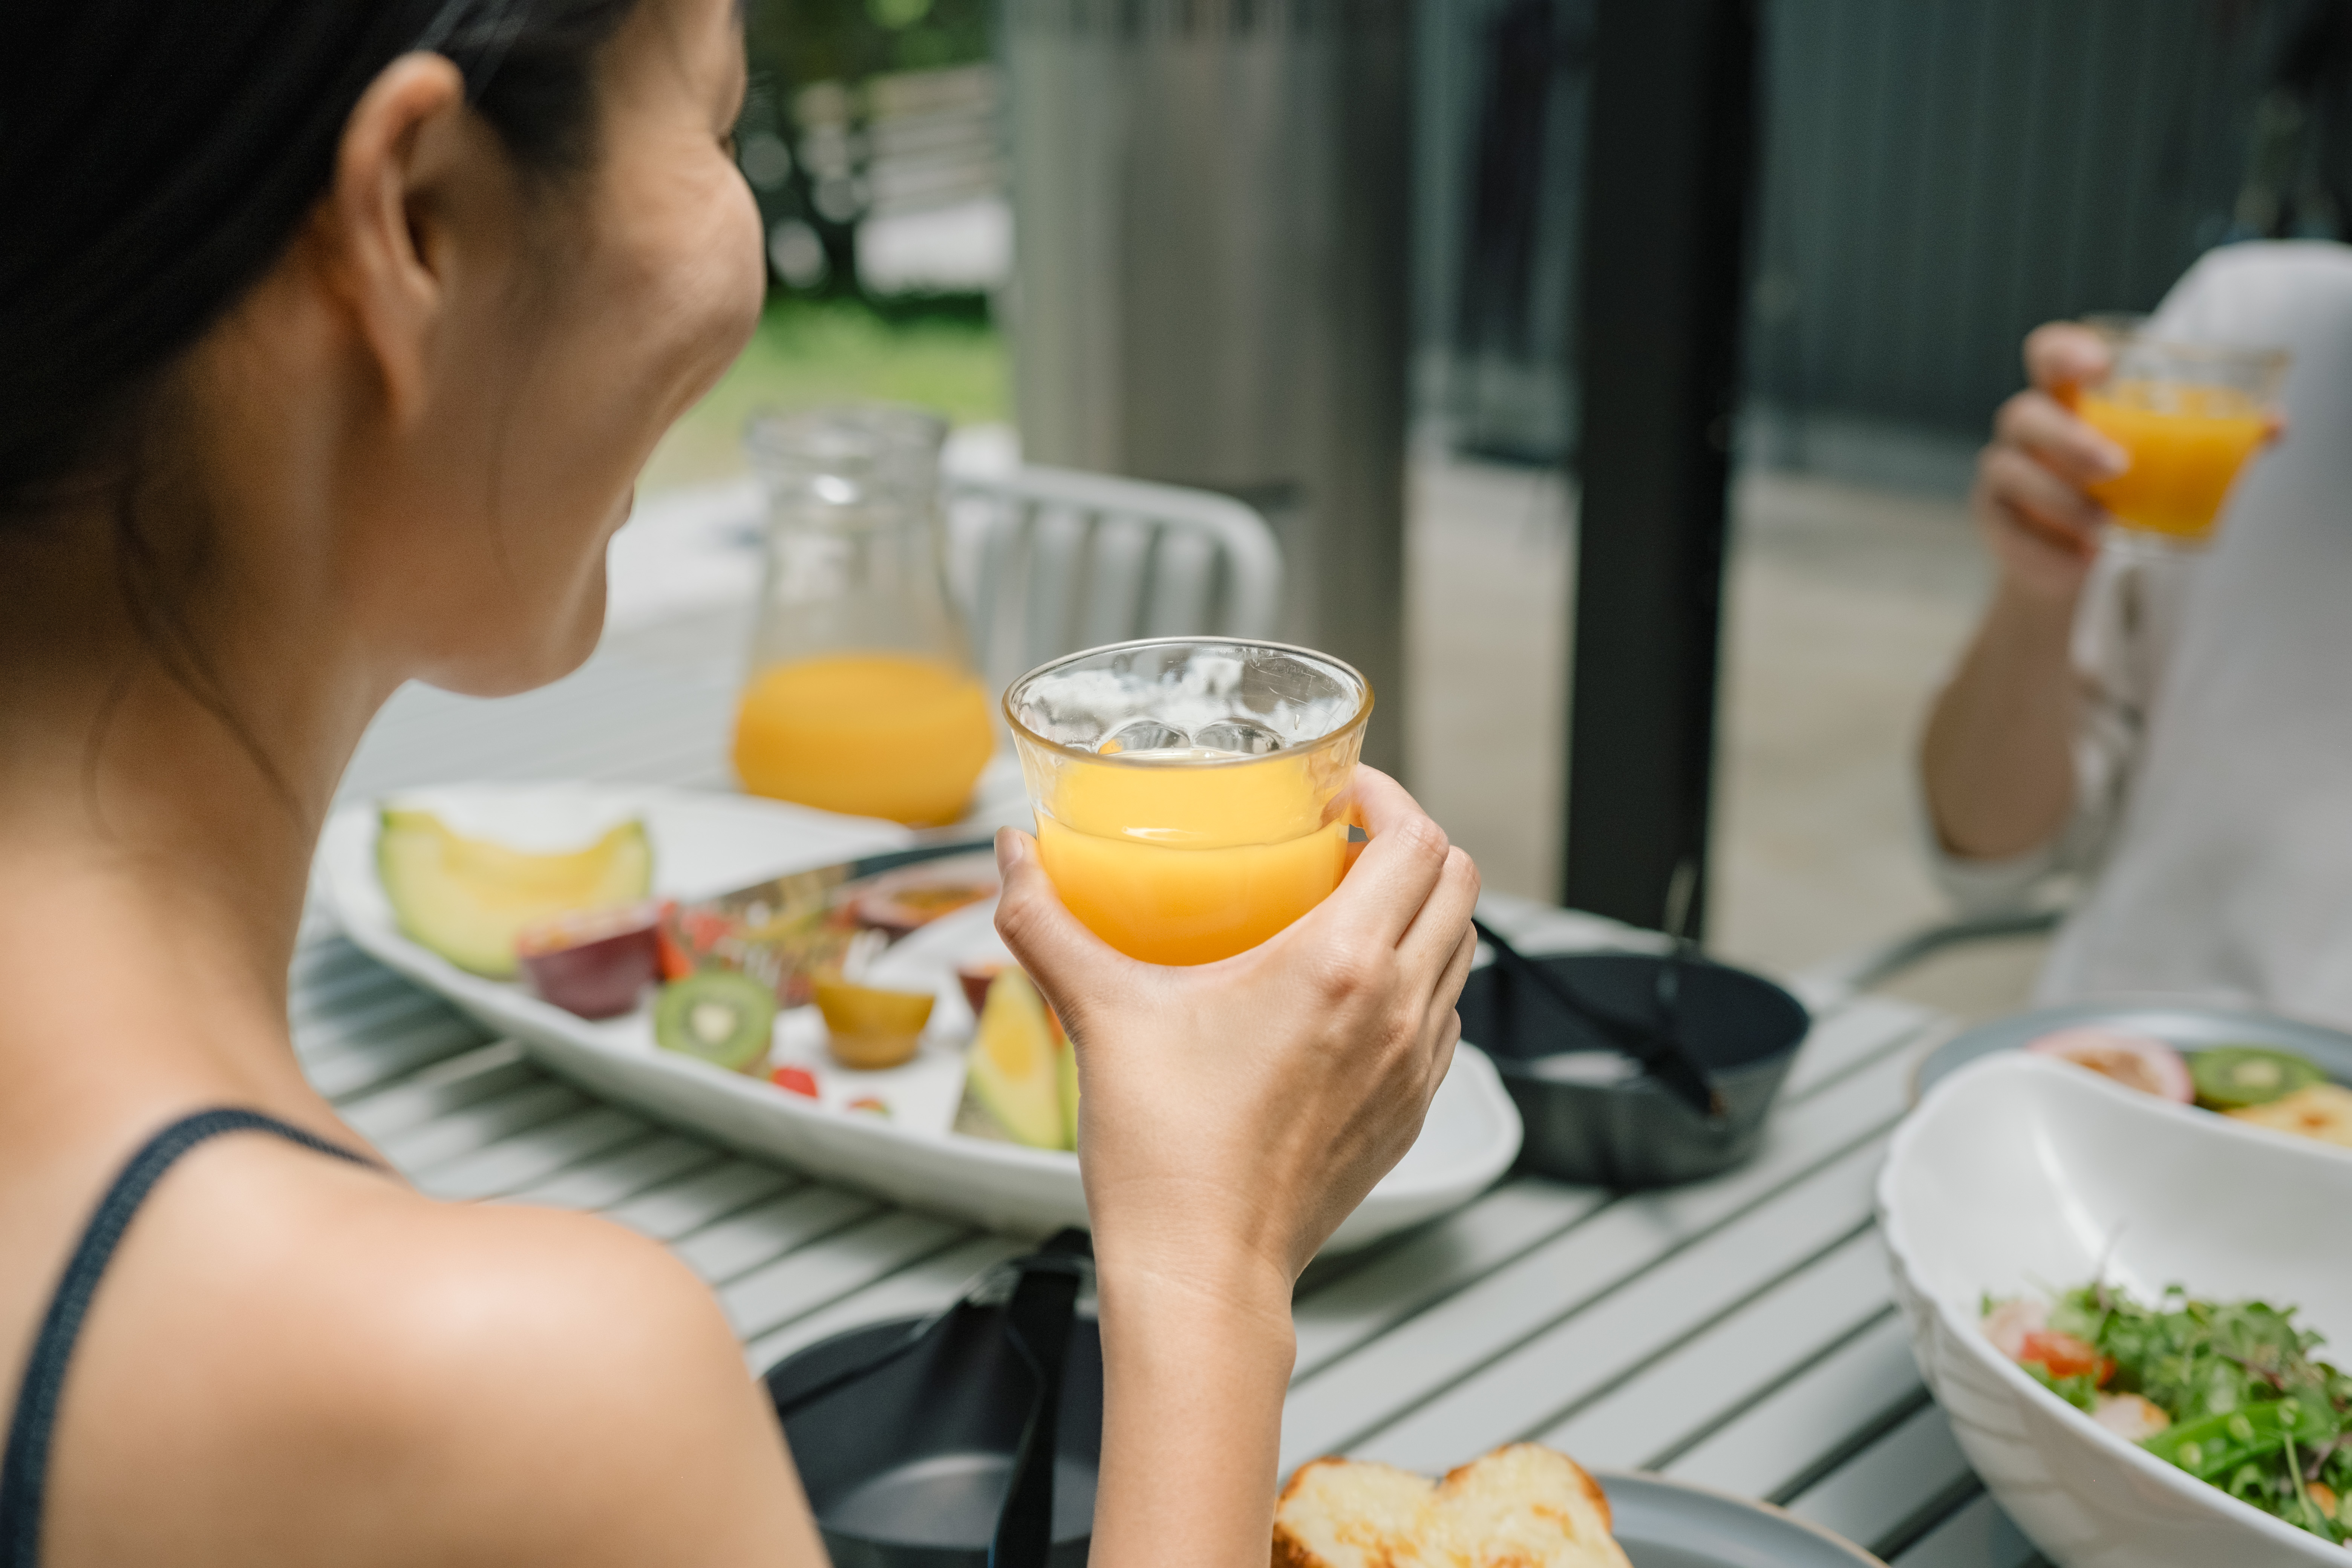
[(1210, 205), (1672, 152)]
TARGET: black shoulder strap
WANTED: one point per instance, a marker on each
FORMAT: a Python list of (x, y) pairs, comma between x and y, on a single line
[(24, 1465)]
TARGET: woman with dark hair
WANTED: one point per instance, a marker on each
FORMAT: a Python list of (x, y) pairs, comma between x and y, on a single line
[(332, 335)]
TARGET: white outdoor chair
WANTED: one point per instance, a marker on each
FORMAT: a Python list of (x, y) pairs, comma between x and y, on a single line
[(1045, 561)]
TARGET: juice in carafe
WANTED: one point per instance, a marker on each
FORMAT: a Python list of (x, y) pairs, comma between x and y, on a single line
[(1253, 854), (874, 734), (2185, 444)]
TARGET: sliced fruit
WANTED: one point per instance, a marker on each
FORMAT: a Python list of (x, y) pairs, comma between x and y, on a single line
[(467, 899), (2321, 1111), (907, 903), (2230, 1077), (1011, 1069), (596, 962), (870, 1028), (976, 975), (870, 1105), (794, 1080), (2063, 1355), (2135, 1061), (722, 1017)]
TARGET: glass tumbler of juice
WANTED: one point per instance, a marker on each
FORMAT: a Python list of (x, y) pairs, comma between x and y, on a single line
[(2187, 416), (1192, 794), (861, 697)]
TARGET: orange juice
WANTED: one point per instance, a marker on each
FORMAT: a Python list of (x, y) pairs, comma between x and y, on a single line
[(2187, 444), (875, 734), (1255, 853)]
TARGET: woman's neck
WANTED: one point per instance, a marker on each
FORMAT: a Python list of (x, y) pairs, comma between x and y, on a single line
[(161, 792)]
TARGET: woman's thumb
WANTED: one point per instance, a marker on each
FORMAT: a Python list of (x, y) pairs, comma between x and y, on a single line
[(1043, 934)]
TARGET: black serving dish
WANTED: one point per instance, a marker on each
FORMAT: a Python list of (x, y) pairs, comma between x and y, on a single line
[(906, 1465), (1592, 1115)]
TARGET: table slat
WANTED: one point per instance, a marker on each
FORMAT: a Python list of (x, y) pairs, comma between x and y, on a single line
[(1526, 1389), (1677, 1401), (1976, 1535), (1776, 1442), (1356, 1395), (1873, 1495)]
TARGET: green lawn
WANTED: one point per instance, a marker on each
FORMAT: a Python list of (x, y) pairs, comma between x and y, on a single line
[(809, 352)]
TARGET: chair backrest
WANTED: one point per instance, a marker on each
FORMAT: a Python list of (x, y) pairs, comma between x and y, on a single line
[(1048, 560)]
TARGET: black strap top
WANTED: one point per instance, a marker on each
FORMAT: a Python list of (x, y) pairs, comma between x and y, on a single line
[(24, 1465)]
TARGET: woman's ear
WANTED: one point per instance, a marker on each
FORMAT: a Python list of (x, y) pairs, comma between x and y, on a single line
[(389, 220)]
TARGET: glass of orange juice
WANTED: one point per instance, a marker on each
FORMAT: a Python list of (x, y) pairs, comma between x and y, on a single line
[(2188, 415), (1192, 794), (861, 697)]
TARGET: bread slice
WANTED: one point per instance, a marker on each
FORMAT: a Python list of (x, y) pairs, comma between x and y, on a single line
[(1520, 1507), (1350, 1513)]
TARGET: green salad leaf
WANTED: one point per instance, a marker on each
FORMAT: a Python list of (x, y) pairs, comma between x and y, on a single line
[(2252, 1409)]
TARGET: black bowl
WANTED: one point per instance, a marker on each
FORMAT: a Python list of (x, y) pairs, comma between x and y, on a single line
[(1591, 1116), (907, 1467)]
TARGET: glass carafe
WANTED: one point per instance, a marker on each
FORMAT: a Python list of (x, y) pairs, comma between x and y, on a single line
[(861, 697)]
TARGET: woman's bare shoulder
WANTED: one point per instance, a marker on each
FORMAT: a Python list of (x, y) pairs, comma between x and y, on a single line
[(400, 1379)]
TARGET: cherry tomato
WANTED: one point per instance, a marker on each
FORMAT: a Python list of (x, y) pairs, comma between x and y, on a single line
[(2063, 1355)]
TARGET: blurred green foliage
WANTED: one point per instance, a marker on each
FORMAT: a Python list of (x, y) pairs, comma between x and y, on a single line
[(941, 354), (804, 41)]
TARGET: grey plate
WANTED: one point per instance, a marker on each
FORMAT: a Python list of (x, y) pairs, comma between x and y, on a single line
[(1672, 1524), (2190, 1027)]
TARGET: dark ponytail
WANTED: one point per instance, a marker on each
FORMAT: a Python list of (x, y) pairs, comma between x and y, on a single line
[(157, 157)]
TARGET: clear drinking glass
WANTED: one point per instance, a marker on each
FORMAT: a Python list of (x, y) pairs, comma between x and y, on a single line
[(861, 697), (1192, 794), (2189, 415)]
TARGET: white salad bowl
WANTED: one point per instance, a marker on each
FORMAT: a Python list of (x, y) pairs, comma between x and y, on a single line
[(2022, 1176)]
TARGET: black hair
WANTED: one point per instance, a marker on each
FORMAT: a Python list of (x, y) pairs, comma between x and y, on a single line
[(158, 156)]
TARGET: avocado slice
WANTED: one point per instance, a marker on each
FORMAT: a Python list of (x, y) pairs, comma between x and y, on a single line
[(1011, 1069), (466, 899), (718, 1016)]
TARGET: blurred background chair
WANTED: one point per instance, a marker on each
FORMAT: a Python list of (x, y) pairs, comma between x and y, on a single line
[(1045, 561)]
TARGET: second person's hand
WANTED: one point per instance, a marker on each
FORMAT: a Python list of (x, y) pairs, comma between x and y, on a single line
[(2031, 497)]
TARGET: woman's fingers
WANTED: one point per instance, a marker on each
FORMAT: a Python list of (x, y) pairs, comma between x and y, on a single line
[(1457, 974), (2058, 439), (2039, 501), (2065, 354), (1046, 939), (1443, 918), (1394, 876)]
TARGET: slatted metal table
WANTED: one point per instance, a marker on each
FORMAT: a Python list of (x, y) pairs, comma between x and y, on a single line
[(1737, 1333)]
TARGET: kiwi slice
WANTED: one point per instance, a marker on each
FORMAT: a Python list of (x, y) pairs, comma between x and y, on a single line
[(718, 1016), (2228, 1077)]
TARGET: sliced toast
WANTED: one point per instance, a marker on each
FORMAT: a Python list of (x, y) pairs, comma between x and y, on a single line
[(1523, 1506)]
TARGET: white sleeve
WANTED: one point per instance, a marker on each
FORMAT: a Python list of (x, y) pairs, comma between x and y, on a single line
[(2125, 628)]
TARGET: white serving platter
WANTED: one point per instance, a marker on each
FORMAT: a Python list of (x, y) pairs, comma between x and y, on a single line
[(708, 843)]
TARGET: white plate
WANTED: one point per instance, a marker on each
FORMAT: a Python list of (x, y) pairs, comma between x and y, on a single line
[(2019, 1176), (704, 844)]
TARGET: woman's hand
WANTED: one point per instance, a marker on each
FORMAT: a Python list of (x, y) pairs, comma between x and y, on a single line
[(2031, 498), (1233, 1114), (1230, 1116)]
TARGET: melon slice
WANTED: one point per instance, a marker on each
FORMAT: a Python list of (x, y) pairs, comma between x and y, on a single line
[(1011, 1069), (467, 899)]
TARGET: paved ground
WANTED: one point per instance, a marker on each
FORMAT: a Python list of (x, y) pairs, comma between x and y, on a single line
[(1845, 605)]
